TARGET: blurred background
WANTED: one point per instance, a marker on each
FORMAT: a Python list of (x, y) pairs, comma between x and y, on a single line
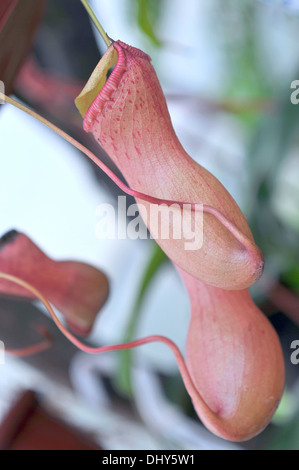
[(226, 69)]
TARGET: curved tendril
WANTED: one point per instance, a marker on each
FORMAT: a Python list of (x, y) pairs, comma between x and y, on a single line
[(230, 226), (116, 347), (34, 349)]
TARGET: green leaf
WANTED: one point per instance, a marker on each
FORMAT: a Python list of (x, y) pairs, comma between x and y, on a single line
[(156, 261), (148, 14), (276, 135)]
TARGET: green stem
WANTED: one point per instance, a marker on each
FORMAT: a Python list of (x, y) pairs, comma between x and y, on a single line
[(96, 22), (158, 258)]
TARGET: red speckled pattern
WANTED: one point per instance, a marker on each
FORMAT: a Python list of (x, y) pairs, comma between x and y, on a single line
[(130, 120)]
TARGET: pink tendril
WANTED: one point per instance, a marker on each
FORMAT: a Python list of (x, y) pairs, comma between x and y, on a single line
[(34, 349), (116, 347)]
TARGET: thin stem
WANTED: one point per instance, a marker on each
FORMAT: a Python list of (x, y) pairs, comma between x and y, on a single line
[(34, 349), (189, 384), (96, 22)]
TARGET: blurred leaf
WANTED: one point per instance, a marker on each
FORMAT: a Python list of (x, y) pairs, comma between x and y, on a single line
[(18, 23), (291, 276), (237, 23), (286, 437), (157, 259), (270, 145), (148, 14)]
